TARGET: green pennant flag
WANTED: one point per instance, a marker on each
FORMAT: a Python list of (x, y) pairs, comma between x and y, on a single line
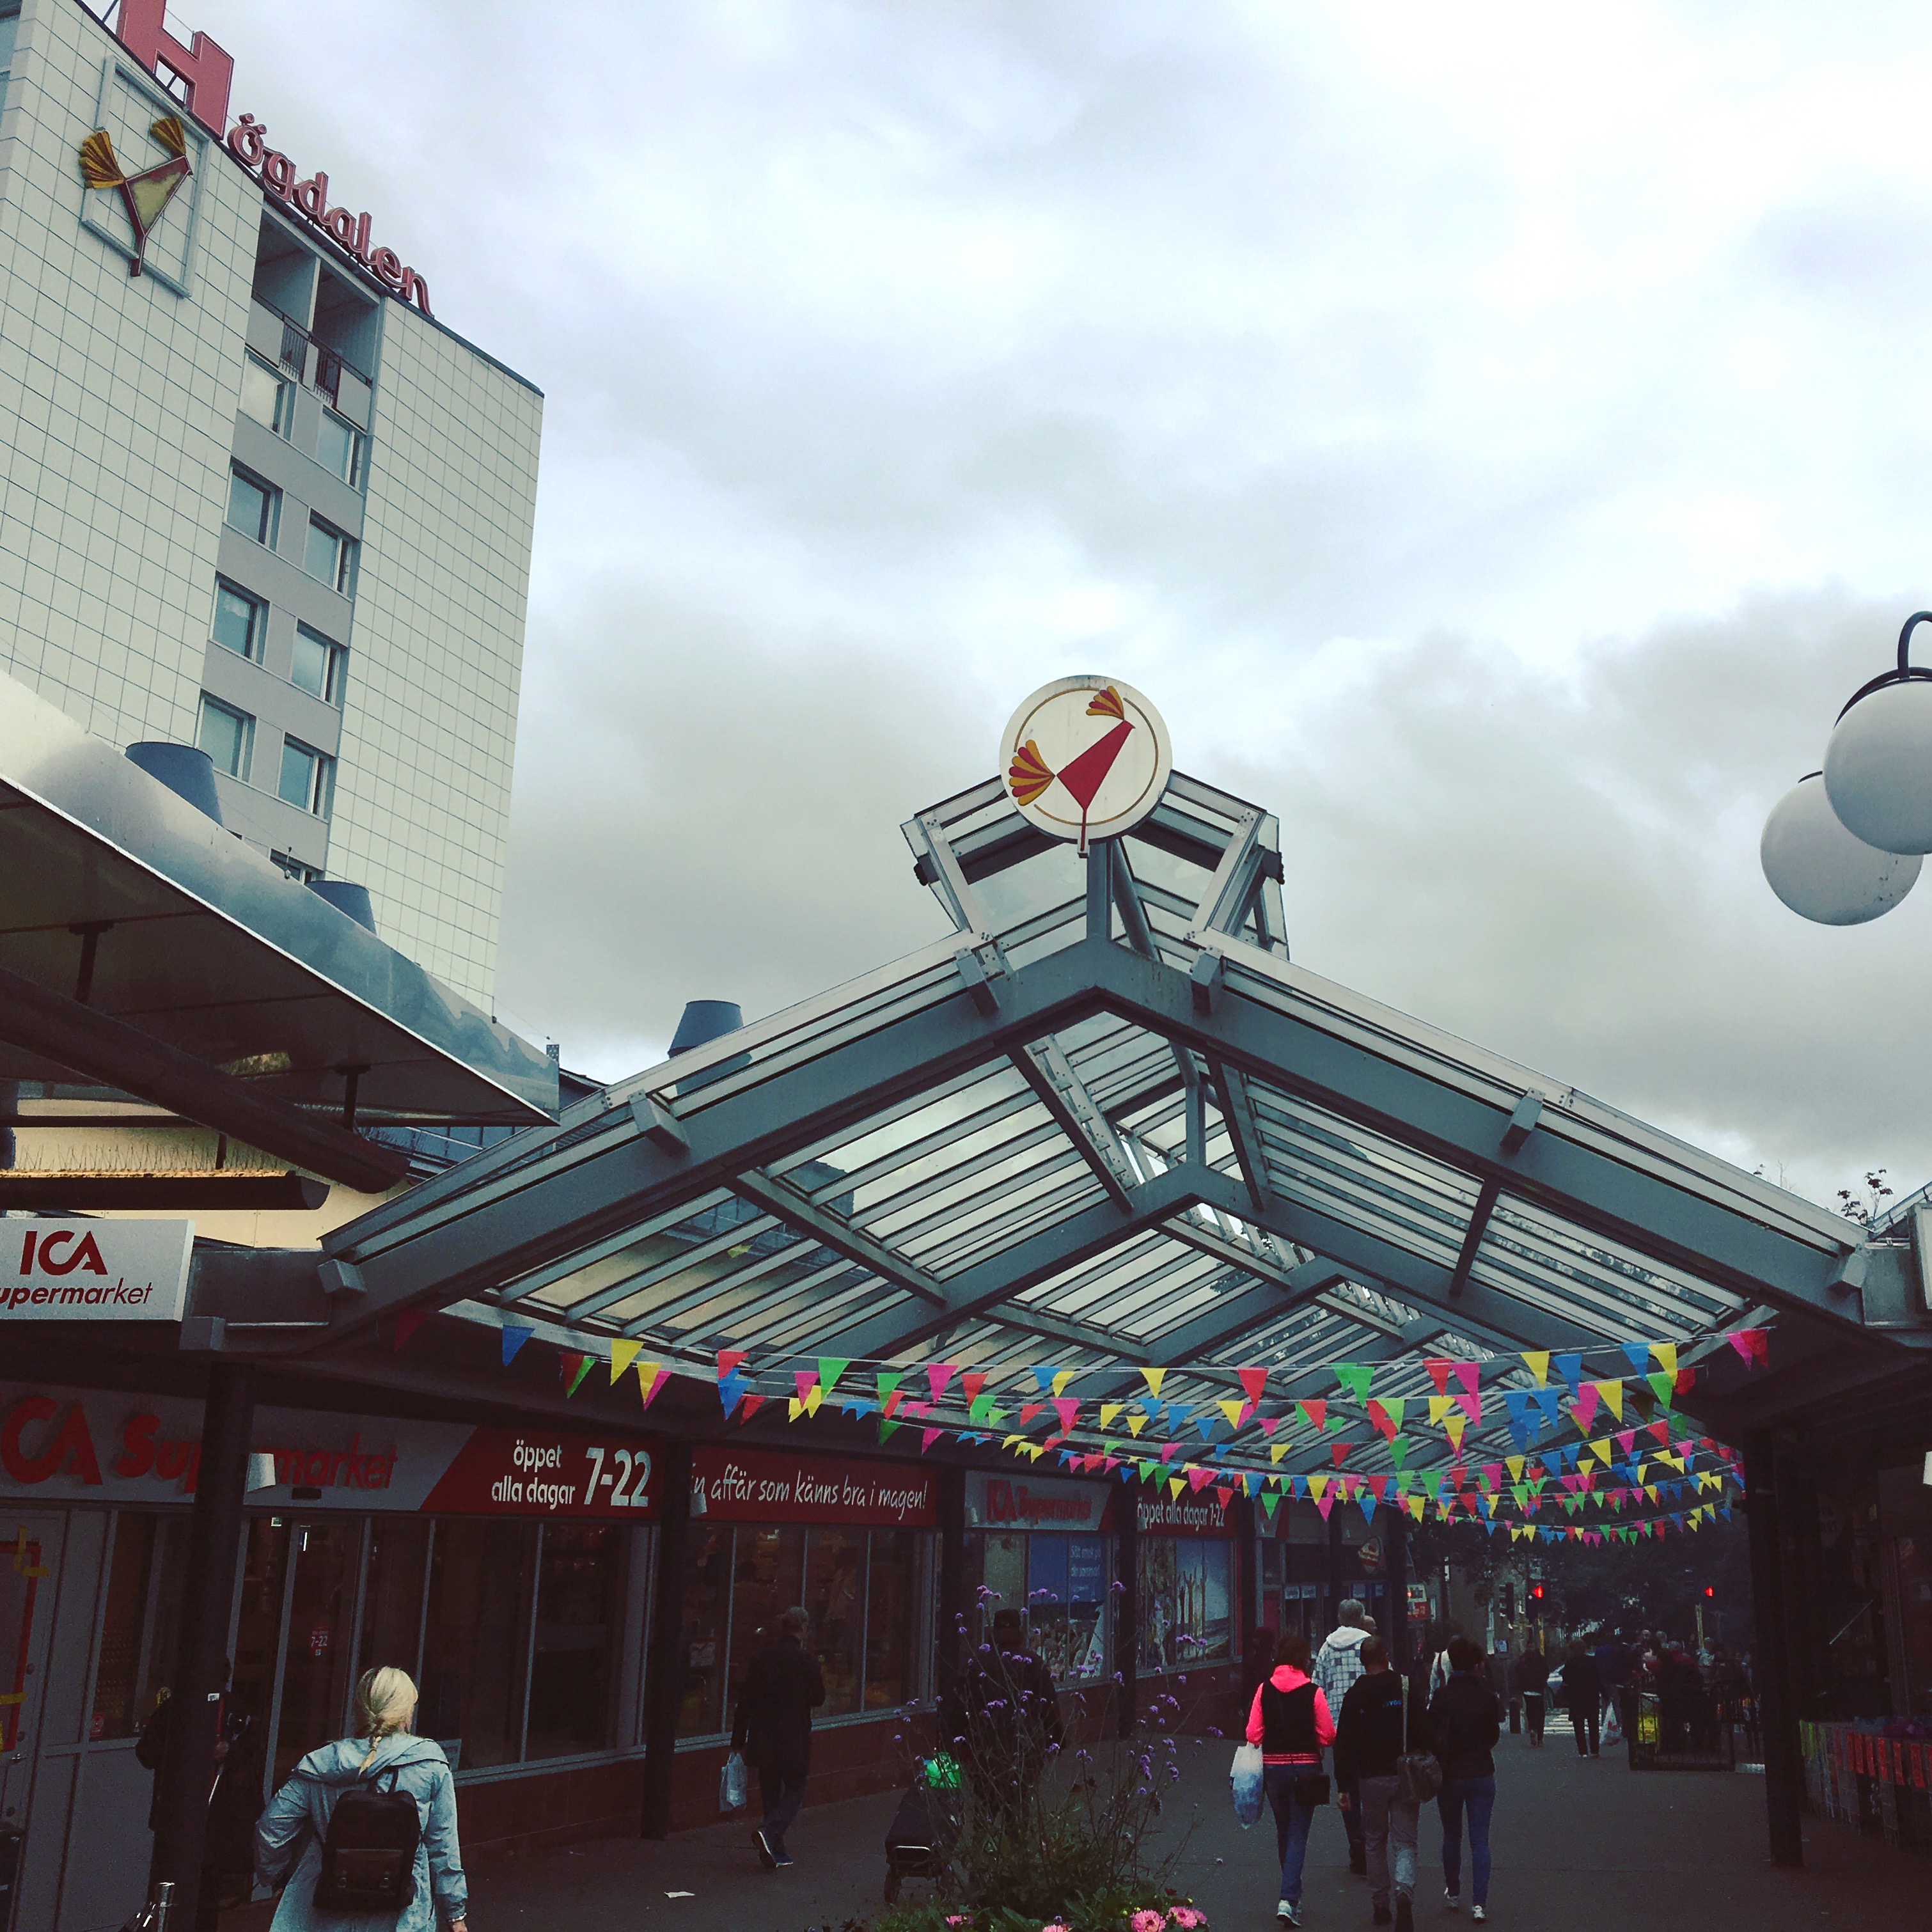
[(1148, 1470), (1355, 1378), (1431, 1482), (1666, 1387), (1270, 1499), (583, 1367), (886, 1428), (1399, 1449), (830, 1368), (1521, 1492), (1403, 1479), (889, 1381)]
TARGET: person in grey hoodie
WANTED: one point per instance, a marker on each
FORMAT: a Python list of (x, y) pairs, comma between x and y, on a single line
[(296, 1822), (1338, 1663)]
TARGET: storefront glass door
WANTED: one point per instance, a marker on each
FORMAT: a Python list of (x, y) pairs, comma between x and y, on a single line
[(29, 1559)]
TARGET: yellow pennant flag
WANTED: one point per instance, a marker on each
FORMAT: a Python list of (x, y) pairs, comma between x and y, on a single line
[(1232, 1411), (1665, 1354), (1538, 1362), (1613, 1395), (1415, 1505), (1651, 1491), (1453, 1426), (1137, 1422), (648, 1373), (1318, 1486), (814, 1396), (622, 1354), (1153, 1378), (1276, 1450), (1439, 1405), (1034, 1451), (795, 1406), (1175, 1484), (1011, 1440), (1601, 1450), (1062, 1379), (1108, 1410), (1514, 1464)]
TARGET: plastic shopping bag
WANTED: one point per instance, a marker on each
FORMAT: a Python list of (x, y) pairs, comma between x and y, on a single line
[(1613, 1727), (731, 1784), (1245, 1779)]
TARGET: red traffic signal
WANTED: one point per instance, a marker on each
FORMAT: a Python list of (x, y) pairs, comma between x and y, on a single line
[(1536, 1591), (1708, 1592)]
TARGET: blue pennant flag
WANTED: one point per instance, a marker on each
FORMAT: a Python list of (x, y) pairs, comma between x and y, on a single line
[(514, 1339)]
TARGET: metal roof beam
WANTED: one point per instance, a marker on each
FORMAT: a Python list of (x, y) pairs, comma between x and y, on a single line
[(787, 1204), (1044, 1072), (1243, 1132)]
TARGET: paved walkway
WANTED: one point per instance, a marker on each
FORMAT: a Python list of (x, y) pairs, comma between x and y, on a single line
[(1580, 1847)]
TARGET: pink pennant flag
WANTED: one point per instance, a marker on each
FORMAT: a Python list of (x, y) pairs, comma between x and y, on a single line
[(1267, 1423), (1324, 1504), (1585, 1406), (1470, 1401), (1168, 1453), (928, 1437), (1066, 1408), (1626, 1440), (1468, 1373), (1197, 1479), (1752, 1344), (937, 1375), (805, 1381)]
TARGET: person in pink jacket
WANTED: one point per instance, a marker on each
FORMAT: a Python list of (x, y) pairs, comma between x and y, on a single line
[(1290, 1720)]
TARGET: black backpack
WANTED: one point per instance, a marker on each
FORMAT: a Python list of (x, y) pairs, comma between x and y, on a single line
[(369, 1857)]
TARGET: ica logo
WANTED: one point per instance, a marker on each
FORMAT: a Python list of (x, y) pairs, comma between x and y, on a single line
[(56, 1253)]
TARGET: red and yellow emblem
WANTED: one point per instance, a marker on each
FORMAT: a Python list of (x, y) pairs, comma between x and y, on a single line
[(1099, 786), (146, 196)]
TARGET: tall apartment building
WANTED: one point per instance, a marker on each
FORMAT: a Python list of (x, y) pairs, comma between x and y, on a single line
[(253, 495)]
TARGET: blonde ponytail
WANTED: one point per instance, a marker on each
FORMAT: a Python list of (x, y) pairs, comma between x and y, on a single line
[(386, 1700)]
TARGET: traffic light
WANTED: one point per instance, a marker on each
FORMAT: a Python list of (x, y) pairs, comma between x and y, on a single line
[(1708, 1592), (1536, 1592)]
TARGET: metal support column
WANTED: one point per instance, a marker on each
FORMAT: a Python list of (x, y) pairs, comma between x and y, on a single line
[(1254, 1666), (1100, 890), (1783, 1764), (1336, 1591), (951, 1612), (663, 1680), (1127, 1606), (201, 1669), (1398, 1591)]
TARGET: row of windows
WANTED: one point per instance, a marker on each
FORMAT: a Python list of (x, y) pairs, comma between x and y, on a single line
[(269, 397), (319, 666), (306, 779), (255, 509)]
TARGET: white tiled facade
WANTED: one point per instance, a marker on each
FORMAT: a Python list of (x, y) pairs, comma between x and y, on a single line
[(120, 420)]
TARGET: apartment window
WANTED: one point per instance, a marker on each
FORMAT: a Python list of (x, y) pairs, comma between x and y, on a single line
[(252, 506), (239, 620), (10, 25), (265, 397), (225, 734), (318, 665), (330, 555), (339, 447), (304, 782)]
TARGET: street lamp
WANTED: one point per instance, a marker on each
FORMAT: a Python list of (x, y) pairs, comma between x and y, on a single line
[(1843, 846)]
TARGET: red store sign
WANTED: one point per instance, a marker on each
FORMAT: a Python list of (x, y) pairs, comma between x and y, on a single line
[(770, 1485)]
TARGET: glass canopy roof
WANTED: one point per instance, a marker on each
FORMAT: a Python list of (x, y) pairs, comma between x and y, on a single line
[(1105, 1125)]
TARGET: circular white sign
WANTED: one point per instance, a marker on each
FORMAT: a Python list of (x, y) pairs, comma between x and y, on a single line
[(1085, 758)]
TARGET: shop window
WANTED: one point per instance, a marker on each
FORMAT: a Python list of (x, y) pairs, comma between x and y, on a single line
[(891, 1601), (239, 621), (768, 1578), (317, 665), (1186, 1610), (1004, 1578), (258, 1631), (392, 1597), (707, 1612), (575, 1650), (834, 1599), (315, 1649), (304, 782), (330, 555), (226, 735), (252, 506), (477, 1640), (338, 448), (139, 1629), (265, 397)]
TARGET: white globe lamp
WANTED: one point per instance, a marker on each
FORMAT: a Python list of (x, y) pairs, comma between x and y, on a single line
[(1819, 870), (1878, 764)]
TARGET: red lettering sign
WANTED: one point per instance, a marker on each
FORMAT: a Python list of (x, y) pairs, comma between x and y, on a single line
[(66, 1450), (769, 1485), (207, 70)]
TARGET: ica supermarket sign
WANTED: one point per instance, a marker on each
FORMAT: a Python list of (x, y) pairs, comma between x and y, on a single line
[(93, 1270)]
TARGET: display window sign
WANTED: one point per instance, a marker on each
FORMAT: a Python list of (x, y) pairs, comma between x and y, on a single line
[(1035, 1502), (1195, 1513), (93, 1270), (73, 1445), (770, 1486)]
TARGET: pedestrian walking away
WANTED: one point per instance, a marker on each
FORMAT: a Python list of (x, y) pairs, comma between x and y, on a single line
[(1290, 1720), (772, 1726), (413, 1855), (1368, 1740), (1465, 1721), (1583, 1692), (1337, 1666), (1532, 1678), (1001, 1719), (234, 1800)]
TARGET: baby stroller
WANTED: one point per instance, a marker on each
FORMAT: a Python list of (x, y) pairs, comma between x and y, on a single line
[(926, 1827)]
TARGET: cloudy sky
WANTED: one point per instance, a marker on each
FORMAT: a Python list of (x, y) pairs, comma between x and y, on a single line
[(1498, 438)]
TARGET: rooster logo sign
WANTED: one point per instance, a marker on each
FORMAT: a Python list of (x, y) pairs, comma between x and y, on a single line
[(1074, 777), (145, 196)]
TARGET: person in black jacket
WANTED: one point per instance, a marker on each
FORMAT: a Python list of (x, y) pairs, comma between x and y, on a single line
[(1532, 1680), (1368, 1738), (1465, 1721), (772, 1727), (1583, 1692), (1001, 1719)]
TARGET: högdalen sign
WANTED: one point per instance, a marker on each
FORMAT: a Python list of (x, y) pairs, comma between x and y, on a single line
[(1085, 758)]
